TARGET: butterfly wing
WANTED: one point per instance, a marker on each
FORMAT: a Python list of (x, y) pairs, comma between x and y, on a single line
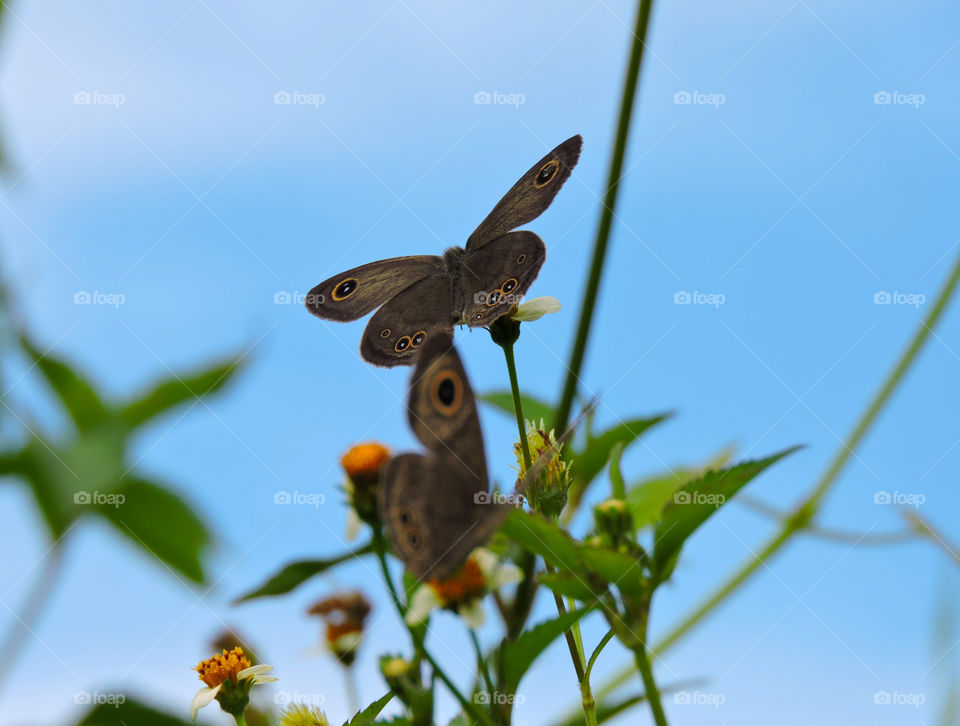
[(354, 293), (496, 276), (531, 195), (400, 329)]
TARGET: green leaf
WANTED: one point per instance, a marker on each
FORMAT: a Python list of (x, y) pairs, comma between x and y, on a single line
[(296, 573), (520, 654), (696, 501), (617, 488), (77, 395), (544, 538), (128, 713), (173, 392), (591, 460), (568, 585), (617, 568), (369, 714), (52, 484), (533, 408), (161, 523)]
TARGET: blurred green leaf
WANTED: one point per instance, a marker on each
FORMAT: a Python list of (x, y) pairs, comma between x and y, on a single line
[(161, 523), (129, 713), (618, 490), (593, 457), (696, 501), (296, 573), (78, 397), (52, 483), (370, 713), (617, 568), (519, 655), (545, 539), (533, 408), (568, 585), (172, 392)]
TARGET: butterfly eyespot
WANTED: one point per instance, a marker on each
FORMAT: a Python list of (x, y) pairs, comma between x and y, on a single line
[(509, 286), (402, 344), (446, 392), (413, 538), (521, 259), (404, 516), (478, 316), (385, 333), (493, 298), (418, 338), (546, 174), (345, 289)]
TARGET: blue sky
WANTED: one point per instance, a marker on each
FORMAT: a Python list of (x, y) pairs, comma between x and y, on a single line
[(784, 187)]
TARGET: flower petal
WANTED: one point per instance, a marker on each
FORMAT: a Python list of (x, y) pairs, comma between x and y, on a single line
[(353, 524), (535, 309), (257, 680), (507, 574), (202, 698), (424, 600), (473, 613), (253, 671), (487, 561)]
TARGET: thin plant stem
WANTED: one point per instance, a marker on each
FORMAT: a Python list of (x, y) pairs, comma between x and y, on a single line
[(650, 686), (33, 606), (482, 663), (353, 696), (241, 721), (596, 652), (517, 405), (476, 714), (812, 502), (586, 693), (630, 83)]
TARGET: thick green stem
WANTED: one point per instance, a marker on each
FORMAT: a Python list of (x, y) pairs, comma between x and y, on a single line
[(630, 83), (650, 686), (241, 721)]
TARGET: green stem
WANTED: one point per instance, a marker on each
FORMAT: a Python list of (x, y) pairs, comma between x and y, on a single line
[(596, 652), (586, 694), (379, 546), (517, 404), (33, 606), (482, 669), (650, 686), (630, 83), (241, 721), (813, 501)]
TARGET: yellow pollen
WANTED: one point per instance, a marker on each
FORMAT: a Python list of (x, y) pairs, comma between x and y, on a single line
[(222, 667)]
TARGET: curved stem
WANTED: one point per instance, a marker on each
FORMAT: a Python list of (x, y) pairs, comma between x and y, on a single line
[(630, 83), (596, 652), (33, 606), (517, 405)]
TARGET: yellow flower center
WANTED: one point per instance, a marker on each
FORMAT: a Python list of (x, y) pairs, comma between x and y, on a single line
[(466, 585), (364, 459), (222, 667), (300, 714)]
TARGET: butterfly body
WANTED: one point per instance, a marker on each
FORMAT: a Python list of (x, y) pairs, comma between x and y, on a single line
[(419, 297)]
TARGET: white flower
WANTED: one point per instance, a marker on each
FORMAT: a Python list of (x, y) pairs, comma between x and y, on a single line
[(535, 309), (231, 667), (464, 591)]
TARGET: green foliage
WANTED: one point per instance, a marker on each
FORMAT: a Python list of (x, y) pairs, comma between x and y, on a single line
[(369, 714), (534, 409), (294, 574), (128, 713), (520, 654)]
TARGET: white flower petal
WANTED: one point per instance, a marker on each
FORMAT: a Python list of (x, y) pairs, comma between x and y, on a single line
[(424, 600), (257, 680), (486, 560), (353, 524), (252, 671), (202, 698), (535, 309), (507, 574), (472, 613)]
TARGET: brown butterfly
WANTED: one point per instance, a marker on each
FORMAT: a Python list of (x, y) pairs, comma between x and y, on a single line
[(422, 296)]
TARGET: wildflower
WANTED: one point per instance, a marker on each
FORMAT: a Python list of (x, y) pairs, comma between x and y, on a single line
[(362, 465), (535, 309), (345, 615), (547, 492), (464, 591), (300, 714), (228, 677)]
